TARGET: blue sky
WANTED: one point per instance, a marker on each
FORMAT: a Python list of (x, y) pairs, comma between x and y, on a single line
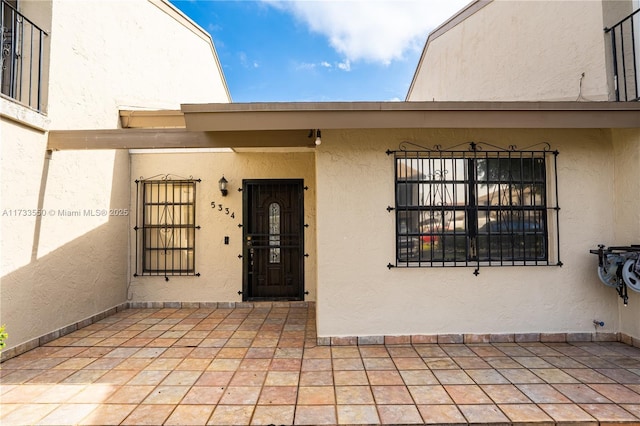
[(322, 50)]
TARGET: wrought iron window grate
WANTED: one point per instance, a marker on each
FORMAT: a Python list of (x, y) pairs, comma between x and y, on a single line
[(623, 37), (166, 226), (483, 206), (23, 51)]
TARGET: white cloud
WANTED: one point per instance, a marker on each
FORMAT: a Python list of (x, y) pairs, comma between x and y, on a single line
[(244, 61), (306, 66), (345, 66), (372, 30)]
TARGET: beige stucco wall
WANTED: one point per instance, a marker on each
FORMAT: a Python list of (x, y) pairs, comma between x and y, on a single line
[(125, 54), (218, 264), (22, 151), (60, 264), (359, 296), (626, 187), (72, 264), (518, 50)]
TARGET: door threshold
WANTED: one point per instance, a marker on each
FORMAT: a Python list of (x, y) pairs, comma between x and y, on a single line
[(274, 299)]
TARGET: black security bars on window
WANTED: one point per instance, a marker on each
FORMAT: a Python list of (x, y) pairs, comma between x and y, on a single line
[(23, 51), (166, 226), (485, 205), (624, 51)]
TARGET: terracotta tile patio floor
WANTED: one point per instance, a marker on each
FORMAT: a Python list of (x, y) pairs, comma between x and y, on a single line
[(262, 366)]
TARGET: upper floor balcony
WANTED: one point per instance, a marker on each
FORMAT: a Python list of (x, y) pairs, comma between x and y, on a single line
[(625, 42), (23, 51)]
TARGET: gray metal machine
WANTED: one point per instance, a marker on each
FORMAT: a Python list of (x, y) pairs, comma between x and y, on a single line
[(619, 268)]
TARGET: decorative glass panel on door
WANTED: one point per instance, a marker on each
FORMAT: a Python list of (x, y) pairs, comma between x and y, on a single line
[(274, 233)]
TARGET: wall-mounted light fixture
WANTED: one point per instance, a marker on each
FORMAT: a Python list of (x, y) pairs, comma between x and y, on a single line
[(222, 185), (317, 134)]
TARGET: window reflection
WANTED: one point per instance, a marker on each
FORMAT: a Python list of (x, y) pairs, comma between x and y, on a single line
[(168, 227), (458, 209)]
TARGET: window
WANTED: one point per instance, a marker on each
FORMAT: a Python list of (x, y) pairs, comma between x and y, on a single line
[(166, 229), (475, 207), (23, 49)]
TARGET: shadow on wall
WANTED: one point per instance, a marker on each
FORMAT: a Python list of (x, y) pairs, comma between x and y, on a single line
[(79, 278)]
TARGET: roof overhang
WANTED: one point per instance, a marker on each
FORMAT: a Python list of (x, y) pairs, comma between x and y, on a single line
[(287, 125), (379, 115), (175, 139), (144, 119)]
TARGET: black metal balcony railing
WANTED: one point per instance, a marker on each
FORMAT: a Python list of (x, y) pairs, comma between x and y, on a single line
[(625, 40), (22, 44)]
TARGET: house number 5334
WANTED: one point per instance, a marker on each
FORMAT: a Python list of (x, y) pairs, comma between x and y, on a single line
[(220, 208)]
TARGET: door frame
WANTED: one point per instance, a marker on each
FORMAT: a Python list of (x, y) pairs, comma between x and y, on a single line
[(246, 220)]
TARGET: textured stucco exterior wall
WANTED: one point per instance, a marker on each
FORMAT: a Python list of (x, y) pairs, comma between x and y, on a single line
[(359, 296), (518, 51), (22, 160), (626, 187), (70, 265), (218, 264), (59, 265), (129, 53), (67, 265), (626, 143)]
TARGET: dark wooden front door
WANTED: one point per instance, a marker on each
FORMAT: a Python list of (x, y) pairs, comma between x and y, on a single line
[(273, 240)]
